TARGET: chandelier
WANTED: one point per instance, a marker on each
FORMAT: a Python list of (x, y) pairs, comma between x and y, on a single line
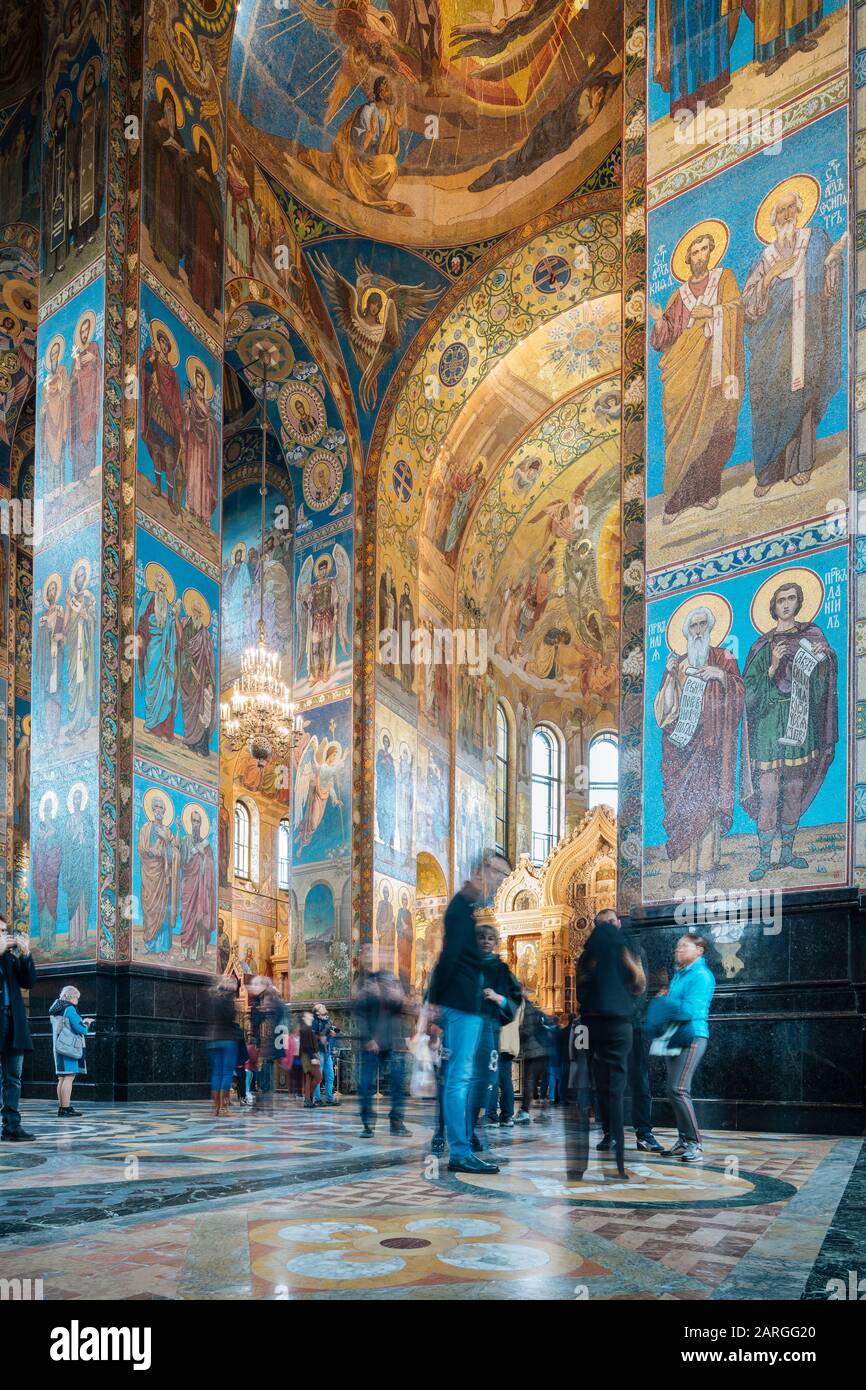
[(260, 715)]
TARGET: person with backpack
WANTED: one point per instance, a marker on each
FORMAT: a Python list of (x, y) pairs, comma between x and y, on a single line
[(68, 1032)]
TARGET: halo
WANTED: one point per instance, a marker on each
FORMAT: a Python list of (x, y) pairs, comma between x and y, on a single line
[(57, 580), (813, 596), (70, 796), (327, 559), (718, 606), (181, 30), (240, 546), (26, 723), (58, 338), (711, 226), (47, 797), (163, 85), (157, 794), (151, 571), (188, 596), (63, 98), (186, 818), (374, 289), (20, 295), (158, 326), (16, 329), (81, 563), (324, 749), (193, 365), (88, 316), (96, 64), (199, 136), (809, 190)]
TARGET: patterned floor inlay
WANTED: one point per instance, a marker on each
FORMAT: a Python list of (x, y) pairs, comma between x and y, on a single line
[(164, 1202)]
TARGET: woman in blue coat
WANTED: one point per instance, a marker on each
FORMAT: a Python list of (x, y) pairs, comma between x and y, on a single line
[(686, 1003), (65, 1009)]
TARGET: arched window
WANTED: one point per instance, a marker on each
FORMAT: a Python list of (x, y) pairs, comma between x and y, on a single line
[(604, 770), (242, 841), (502, 759), (546, 792), (284, 854)]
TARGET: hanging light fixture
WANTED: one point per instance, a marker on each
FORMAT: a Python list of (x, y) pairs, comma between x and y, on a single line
[(260, 715)]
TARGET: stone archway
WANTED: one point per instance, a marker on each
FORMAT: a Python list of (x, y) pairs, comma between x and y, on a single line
[(545, 914)]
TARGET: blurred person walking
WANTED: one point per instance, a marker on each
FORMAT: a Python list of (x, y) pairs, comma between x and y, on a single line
[(608, 979), (500, 1107), (686, 1004), (68, 1033), (456, 987), (326, 1031), (17, 972), (266, 1014), (378, 1004), (534, 1052), (502, 997), (225, 1038), (311, 1058)]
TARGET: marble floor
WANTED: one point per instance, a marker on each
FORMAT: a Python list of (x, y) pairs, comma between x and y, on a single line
[(164, 1202)]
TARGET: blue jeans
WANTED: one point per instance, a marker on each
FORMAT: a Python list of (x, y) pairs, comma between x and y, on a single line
[(502, 1094), (327, 1077), (371, 1062), (553, 1075), (486, 1079), (10, 1086), (223, 1058), (462, 1032)]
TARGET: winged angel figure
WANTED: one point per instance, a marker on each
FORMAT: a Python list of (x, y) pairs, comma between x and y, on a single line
[(372, 46), (323, 597), (317, 781), (69, 29), (373, 314), (199, 61)]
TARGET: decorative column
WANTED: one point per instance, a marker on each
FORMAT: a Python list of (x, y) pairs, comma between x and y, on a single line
[(127, 555)]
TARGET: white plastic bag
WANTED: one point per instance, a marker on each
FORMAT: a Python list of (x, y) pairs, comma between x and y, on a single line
[(423, 1083)]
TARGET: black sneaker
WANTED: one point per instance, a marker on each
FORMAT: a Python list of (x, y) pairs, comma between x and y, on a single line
[(400, 1128), (367, 1132), (437, 1144), (604, 1143), (472, 1164), (16, 1136), (648, 1144)]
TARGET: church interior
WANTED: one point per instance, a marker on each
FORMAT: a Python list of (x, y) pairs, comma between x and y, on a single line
[(430, 455)]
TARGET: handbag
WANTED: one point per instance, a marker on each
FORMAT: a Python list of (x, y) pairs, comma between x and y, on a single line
[(684, 1034), (67, 1043), (664, 1044)]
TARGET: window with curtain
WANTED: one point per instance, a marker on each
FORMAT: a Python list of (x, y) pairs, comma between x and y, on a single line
[(546, 792), (502, 756), (284, 845), (604, 770), (242, 840)]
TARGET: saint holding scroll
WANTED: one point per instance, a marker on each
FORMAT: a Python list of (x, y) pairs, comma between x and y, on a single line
[(698, 709)]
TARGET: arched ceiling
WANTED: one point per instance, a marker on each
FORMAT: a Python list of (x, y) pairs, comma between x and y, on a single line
[(494, 111), (494, 326), (540, 566)]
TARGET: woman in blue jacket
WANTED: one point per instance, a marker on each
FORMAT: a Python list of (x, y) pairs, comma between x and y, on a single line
[(67, 1068), (686, 1003)]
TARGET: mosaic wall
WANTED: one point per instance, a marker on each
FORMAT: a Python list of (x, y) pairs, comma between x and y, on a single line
[(745, 703)]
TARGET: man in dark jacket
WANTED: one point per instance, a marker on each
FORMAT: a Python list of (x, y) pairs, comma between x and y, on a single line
[(378, 1005), (17, 972), (456, 988), (638, 1062)]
